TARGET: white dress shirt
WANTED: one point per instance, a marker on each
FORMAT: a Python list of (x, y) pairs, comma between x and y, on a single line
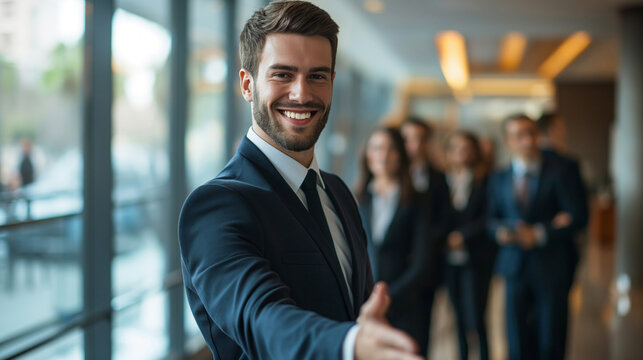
[(460, 188), (420, 178), (521, 170), (294, 173), (384, 207)]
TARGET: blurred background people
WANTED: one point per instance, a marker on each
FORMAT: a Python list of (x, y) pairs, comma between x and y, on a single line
[(469, 254), (26, 168), (532, 217), (431, 187), (396, 226)]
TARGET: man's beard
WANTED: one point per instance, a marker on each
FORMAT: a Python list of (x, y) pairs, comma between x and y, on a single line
[(275, 130)]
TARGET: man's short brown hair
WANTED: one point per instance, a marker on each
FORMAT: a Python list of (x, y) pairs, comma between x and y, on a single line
[(512, 118), (290, 17)]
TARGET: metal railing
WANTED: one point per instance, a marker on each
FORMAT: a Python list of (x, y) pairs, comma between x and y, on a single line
[(80, 320)]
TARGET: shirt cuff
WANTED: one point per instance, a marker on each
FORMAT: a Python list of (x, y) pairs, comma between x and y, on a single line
[(541, 235), (348, 349)]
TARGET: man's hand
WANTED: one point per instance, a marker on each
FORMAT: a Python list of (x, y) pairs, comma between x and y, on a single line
[(526, 235), (561, 220), (504, 236), (455, 241), (376, 339)]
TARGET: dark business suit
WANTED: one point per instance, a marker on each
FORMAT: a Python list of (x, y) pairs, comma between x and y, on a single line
[(400, 260), (438, 206), (468, 283), (262, 280), (439, 203), (578, 191), (536, 279)]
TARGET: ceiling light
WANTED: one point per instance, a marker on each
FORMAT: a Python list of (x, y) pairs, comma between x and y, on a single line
[(512, 51), (567, 52), (453, 58), (374, 6)]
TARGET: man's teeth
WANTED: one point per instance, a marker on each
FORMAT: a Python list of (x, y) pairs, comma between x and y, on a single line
[(297, 116)]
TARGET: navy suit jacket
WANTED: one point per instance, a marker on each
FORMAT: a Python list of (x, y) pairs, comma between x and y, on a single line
[(549, 195), (471, 223), (401, 258), (577, 190), (261, 279), (438, 206)]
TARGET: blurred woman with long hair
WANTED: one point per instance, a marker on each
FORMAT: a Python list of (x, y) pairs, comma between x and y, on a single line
[(396, 225), (469, 254)]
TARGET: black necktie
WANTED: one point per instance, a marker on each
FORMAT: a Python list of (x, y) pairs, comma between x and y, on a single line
[(309, 186)]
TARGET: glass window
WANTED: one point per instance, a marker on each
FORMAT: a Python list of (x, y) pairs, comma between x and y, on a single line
[(68, 347), (205, 142), (140, 164), (40, 165), (140, 330)]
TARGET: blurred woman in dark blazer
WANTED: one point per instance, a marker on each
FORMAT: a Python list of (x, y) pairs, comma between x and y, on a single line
[(396, 226), (469, 254)]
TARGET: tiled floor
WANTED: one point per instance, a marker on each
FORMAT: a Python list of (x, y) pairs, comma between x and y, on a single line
[(589, 311)]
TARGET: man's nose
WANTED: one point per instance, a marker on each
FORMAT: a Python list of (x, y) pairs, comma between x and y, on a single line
[(300, 90)]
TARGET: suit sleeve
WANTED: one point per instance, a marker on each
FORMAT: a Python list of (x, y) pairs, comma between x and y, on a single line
[(579, 192), (221, 247), (570, 201)]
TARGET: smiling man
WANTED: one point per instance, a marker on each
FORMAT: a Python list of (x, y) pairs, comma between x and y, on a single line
[(274, 253)]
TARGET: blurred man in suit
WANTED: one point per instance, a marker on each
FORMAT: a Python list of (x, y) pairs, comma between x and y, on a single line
[(533, 218), (274, 254), (553, 143), (431, 185)]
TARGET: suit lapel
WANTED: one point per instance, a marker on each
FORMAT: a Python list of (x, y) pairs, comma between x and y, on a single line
[(249, 151)]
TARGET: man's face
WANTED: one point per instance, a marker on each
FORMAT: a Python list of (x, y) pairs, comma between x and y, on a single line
[(415, 141), (292, 91), (521, 138), (382, 158)]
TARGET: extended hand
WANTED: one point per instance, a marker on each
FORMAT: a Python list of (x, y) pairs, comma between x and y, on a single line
[(376, 339), (504, 236)]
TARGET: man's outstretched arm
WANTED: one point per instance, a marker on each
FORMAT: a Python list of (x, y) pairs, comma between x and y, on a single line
[(222, 246)]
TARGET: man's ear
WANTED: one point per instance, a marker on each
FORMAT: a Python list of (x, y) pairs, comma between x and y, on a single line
[(246, 83)]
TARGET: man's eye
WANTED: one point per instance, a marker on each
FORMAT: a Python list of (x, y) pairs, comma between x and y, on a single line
[(318, 77), (281, 75)]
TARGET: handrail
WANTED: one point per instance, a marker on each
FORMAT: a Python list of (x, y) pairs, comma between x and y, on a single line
[(171, 281), (117, 205)]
